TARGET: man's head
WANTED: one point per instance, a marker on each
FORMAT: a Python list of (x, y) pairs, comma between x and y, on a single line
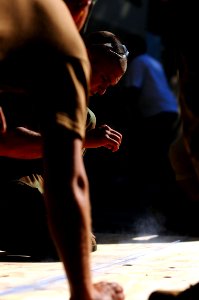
[(108, 57)]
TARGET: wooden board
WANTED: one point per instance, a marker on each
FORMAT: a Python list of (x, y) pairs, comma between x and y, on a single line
[(140, 264)]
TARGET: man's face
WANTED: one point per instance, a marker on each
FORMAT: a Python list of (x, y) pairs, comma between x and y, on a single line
[(104, 74)]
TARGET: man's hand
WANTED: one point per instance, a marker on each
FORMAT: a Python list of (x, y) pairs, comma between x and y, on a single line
[(103, 136)]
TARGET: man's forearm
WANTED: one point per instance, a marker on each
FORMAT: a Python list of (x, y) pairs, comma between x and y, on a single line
[(21, 143), (68, 210)]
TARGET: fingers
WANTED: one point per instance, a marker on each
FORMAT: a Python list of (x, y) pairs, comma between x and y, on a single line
[(113, 142), (112, 131), (113, 138), (112, 146), (109, 290)]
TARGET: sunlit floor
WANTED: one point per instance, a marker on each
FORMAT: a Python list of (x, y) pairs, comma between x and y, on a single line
[(141, 264)]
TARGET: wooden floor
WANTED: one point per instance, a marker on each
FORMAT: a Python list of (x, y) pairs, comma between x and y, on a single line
[(140, 264)]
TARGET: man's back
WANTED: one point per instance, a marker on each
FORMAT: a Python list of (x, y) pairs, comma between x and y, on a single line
[(23, 21)]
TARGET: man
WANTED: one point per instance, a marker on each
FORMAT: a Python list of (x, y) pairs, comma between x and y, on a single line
[(22, 178), (43, 57)]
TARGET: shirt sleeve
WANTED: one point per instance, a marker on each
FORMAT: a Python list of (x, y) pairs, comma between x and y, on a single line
[(67, 73)]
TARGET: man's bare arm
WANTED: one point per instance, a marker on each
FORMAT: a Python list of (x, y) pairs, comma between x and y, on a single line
[(21, 143)]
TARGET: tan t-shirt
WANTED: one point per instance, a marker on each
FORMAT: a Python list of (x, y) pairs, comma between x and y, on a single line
[(43, 56)]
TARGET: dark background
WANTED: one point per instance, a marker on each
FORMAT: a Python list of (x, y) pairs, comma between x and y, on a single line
[(119, 200)]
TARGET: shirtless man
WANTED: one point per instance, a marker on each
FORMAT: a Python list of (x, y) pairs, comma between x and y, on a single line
[(43, 56)]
